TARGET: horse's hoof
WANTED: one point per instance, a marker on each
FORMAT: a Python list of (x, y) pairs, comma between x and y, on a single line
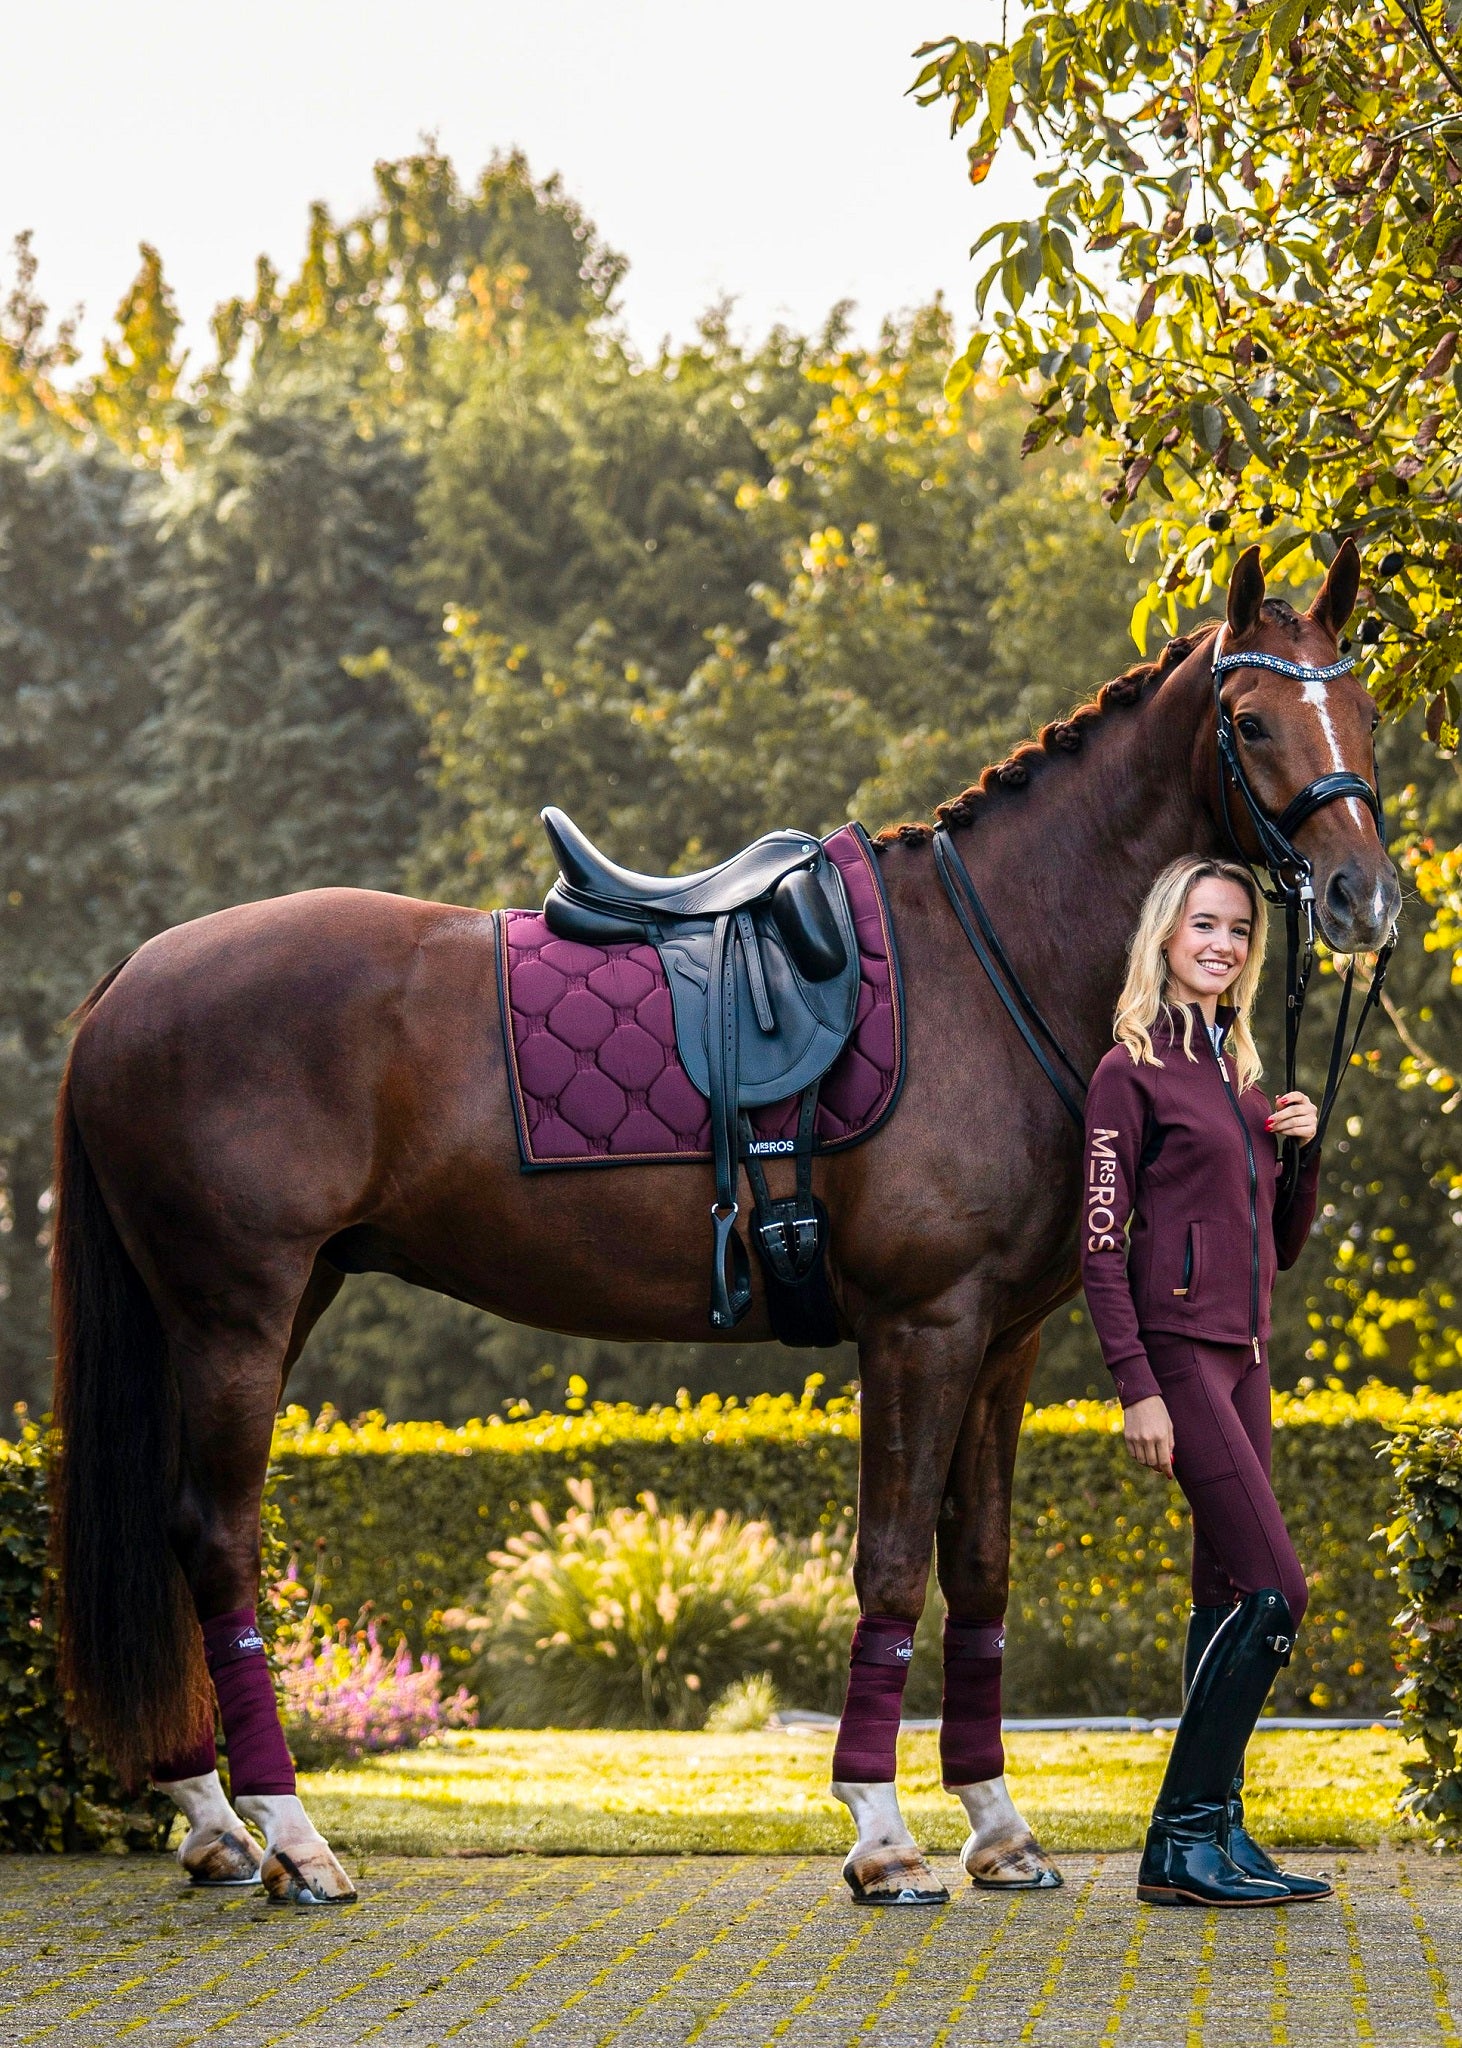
[(229, 1859), (316, 1881), (1016, 1865), (892, 1877)]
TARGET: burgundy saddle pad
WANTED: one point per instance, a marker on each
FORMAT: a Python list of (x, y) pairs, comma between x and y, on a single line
[(590, 1040)]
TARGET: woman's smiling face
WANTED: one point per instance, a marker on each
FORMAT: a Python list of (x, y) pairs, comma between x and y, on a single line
[(1206, 954)]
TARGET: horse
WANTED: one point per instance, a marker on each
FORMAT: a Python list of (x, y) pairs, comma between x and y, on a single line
[(247, 1087)]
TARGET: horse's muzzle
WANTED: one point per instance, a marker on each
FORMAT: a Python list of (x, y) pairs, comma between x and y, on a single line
[(1359, 904)]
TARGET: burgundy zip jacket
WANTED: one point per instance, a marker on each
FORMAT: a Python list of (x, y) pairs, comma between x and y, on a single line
[(1178, 1152)]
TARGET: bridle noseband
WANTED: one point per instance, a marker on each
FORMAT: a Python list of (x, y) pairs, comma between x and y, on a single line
[(1289, 869), (1291, 877)]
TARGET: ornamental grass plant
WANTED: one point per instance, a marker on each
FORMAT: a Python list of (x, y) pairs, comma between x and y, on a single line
[(638, 1618)]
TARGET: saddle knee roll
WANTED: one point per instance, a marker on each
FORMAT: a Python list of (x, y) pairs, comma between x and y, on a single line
[(809, 929)]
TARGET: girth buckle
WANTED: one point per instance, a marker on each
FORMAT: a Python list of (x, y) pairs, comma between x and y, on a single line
[(788, 1234)]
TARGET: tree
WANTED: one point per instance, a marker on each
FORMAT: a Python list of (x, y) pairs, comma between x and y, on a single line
[(278, 756), (428, 260), (30, 359), (1269, 348), (691, 602), (1245, 288), (134, 398), (76, 564)]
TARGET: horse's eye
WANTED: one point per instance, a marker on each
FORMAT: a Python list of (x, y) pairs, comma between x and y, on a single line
[(1251, 728)]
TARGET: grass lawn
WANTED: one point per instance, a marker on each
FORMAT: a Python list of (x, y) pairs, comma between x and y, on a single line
[(607, 1793)]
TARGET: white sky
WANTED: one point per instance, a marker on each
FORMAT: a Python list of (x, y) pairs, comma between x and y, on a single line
[(765, 150)]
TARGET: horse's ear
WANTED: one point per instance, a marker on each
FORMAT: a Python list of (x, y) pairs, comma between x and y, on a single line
[(1335, 600), (1245, 594)]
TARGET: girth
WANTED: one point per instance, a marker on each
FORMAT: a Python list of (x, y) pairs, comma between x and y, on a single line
[(762, 965)]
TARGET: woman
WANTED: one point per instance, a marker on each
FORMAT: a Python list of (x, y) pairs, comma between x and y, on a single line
[(1183, 1145)]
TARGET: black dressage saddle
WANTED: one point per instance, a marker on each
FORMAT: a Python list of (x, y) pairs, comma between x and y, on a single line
[(762, 963)]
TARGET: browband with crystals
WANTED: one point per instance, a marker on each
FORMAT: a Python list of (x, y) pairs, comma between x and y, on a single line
[(1224, 662)]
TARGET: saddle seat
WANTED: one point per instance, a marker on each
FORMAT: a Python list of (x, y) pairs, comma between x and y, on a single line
[(761, 960), (730, 885)]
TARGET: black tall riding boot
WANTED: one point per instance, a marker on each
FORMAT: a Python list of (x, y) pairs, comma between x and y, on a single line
[(1243, 1851), (1184, 1862)]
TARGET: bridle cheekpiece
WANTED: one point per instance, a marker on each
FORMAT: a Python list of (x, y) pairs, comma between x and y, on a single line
[(1291, 877)]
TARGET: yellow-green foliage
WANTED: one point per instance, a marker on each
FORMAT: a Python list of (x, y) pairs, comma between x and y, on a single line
[(55, 1792), (410, 1512), (1425, 1541)]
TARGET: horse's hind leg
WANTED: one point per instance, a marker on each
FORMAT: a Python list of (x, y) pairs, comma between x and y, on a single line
[(973, 1557), (218, 1848), (229, 1375)]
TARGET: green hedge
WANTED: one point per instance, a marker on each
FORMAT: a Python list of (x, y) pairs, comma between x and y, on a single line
[(408, 1513), (1425, 1543), (54, 1794)]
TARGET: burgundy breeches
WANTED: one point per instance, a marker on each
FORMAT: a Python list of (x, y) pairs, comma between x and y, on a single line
[(1218, 1398)]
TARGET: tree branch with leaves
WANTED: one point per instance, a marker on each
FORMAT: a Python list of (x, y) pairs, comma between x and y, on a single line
[(1246, 279)]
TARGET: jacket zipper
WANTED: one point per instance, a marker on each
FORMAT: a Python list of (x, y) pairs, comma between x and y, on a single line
[(1253, 1200)]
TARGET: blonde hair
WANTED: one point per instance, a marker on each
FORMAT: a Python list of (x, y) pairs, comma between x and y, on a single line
[(1144, 996)]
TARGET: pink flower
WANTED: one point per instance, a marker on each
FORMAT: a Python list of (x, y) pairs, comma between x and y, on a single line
[(345, 1697)]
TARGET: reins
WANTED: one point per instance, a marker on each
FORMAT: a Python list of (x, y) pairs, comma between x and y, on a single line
[(1291, 884), (975, 923)]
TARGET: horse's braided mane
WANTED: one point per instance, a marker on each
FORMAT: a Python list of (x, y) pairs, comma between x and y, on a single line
[(1061, 736)]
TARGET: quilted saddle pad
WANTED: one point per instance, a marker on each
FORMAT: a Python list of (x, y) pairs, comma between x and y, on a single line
[(589, 1035)]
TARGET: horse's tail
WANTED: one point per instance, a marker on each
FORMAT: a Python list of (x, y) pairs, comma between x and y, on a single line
[(131, 1653)]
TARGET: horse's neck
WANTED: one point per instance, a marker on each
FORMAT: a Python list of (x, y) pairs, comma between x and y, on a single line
[(1066, 863)]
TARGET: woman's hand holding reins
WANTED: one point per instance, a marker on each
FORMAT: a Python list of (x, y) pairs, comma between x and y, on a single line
[(1148, 1428), (1295, 1116)]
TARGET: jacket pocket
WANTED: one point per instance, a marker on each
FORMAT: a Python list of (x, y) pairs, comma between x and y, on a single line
[(1192, 1264)]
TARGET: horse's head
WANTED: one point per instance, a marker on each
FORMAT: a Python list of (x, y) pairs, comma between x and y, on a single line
[(1289, 732)]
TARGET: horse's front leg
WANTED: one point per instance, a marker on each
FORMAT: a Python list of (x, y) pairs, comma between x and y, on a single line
[(973, 1551), (916, 1368)]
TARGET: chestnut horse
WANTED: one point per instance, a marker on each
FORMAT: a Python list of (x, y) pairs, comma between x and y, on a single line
[(248, 1086)]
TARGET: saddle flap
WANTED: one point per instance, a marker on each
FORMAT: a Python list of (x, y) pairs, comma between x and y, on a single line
[(812, 1020)]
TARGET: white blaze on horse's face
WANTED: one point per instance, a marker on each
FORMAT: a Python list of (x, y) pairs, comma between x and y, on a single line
[(1316, 695)]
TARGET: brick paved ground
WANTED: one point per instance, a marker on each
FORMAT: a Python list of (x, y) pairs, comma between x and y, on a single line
[(718, 1950)]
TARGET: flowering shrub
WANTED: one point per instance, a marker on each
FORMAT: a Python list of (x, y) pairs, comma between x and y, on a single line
[(342, 1696), (638, 1618)]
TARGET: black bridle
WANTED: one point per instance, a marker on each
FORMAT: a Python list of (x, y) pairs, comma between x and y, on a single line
[(1291, 884), (1292, 880)]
